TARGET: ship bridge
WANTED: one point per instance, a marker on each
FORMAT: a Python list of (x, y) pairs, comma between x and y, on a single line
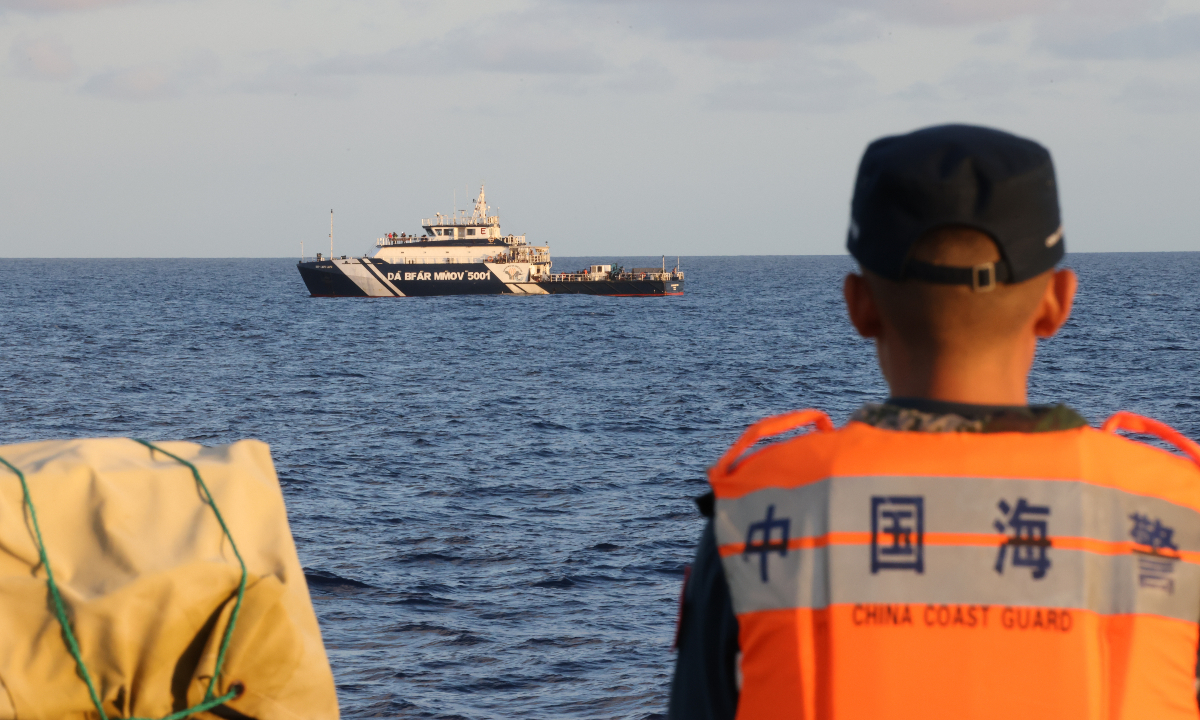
[(477, 228), (461, 238), (459, 226)]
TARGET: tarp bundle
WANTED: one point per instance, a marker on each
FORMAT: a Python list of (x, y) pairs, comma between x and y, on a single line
[(149, 580)]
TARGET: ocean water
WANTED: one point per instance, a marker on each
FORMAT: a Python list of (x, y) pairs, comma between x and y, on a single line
[(492, 496)]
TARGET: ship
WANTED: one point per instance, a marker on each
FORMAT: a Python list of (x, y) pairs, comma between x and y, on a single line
[(460, 254)]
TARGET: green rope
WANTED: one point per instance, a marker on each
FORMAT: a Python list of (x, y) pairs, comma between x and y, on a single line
[(60, 610), (237, 605)]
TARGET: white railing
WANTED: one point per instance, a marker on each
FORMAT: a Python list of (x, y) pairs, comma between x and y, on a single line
[(660, 276), (488, 221), (513, 240), (532, 255), (390, 241), (668, 276)]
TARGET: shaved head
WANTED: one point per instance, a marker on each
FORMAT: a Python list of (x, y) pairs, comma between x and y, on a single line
[(955, 318), (951, 342)]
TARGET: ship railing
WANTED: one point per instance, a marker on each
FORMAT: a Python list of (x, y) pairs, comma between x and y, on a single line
[(460, 220), (676, 276), (505, 258), (660, 276), (391, 241), (516, 241)]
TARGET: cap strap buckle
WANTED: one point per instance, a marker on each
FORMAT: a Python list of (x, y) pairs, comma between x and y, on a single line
[(983, 277)]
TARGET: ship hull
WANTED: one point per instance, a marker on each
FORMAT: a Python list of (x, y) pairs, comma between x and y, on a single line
[(618, 288), (372, 277)]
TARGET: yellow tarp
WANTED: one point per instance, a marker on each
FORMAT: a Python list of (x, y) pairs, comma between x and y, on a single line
[(149, 580)]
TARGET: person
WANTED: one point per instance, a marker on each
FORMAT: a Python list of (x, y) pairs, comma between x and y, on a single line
[(951, 552)]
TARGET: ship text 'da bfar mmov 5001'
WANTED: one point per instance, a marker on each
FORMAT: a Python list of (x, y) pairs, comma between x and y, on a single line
[(466, 255)]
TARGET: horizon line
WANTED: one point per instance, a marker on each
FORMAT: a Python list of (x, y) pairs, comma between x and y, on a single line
[(619, 255)]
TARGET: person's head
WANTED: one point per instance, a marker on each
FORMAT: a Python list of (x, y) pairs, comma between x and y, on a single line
[(956, 230)]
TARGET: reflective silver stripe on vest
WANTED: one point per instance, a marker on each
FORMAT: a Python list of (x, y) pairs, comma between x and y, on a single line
[(960, 541)]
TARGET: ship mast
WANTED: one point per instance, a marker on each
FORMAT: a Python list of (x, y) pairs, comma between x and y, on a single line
[(481, 207)]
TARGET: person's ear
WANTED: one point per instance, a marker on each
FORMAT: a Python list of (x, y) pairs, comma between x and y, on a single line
[(1056, 303), (860, 303)]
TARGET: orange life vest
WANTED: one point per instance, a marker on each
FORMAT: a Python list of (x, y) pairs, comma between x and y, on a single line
[(887, 574)]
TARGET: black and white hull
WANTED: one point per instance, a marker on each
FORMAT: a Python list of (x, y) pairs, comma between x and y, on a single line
[(373, 277)]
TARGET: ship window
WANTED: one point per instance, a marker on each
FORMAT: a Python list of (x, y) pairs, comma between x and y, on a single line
[(470, 231), (437, 231)]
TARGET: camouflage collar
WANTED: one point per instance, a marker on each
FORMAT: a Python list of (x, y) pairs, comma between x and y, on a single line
[(978, 419)]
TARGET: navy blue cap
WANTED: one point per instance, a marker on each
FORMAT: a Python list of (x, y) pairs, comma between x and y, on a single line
[(986, 179)]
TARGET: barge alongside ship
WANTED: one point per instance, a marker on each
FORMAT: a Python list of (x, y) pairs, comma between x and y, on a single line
[(467, 255)]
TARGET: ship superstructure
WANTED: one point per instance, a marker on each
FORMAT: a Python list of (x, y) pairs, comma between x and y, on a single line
[(462, 254)]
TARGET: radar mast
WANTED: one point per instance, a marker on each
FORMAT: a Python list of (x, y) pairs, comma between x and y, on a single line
[(481, 208)]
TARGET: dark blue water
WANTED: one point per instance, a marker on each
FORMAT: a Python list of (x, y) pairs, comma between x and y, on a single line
[(492, 495)]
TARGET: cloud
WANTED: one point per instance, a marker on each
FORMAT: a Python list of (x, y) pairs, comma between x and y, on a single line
[(799, 85), (753, 29), (153, 82), (996, 86), (141, 83), (521, 49), (644, 76), (283, 77), (920, 93), (1154, 96), (954, 12), (55, 6), (45, 59), (996, 35), (979, 80), (720, 19), (502, 55), (1160, 39), (764, 19)]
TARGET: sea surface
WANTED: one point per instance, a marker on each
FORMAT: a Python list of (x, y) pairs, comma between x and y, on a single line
[(492, 496)]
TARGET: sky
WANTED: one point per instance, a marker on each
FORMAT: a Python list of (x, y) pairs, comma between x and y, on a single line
[(222, 128)]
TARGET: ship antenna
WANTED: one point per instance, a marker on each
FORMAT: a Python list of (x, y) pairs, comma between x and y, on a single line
[(480, 206), (330, 233)]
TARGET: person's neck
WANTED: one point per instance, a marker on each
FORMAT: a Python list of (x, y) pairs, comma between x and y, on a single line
[(991, 378)]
